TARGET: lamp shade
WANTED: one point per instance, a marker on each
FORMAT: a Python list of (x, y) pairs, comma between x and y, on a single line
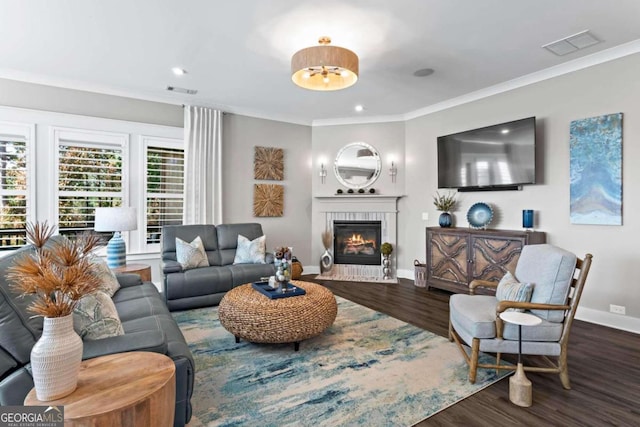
[(116, 219), (324, 67)]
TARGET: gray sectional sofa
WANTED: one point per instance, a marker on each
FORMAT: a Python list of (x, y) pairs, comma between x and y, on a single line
[(205, 286), (147, 323)]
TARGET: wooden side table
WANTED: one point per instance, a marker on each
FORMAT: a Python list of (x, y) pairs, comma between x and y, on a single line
[(520, 391), (144, 270), (125, 389)]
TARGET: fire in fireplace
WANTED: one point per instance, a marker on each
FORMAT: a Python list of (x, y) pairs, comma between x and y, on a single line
[(357, 242)]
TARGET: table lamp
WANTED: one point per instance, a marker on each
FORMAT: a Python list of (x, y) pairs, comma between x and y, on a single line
[(116, 220)]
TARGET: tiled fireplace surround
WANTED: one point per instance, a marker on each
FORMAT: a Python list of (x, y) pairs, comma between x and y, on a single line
[(362, 207)]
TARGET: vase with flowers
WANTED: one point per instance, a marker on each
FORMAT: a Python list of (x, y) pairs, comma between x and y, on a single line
[(445, 203), (54, 276)]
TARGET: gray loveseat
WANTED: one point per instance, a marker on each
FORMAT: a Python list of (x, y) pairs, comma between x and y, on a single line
[(205, 286), (147, 323)]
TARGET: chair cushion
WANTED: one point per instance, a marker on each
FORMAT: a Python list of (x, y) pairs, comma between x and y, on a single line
[(509, 289), (250, 251), (191, 255), (550, 269), (473, 315), (546, 331)]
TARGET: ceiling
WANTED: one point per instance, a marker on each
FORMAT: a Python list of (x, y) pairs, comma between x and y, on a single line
[(237, 53)]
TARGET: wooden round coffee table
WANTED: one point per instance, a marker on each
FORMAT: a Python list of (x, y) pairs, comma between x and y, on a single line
[(133, 389), (249, 315)]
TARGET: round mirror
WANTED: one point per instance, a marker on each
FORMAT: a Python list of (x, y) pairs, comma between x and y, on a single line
[(357, 165)]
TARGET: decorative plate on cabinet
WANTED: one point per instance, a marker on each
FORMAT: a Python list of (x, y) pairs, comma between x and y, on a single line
[(480, 215)]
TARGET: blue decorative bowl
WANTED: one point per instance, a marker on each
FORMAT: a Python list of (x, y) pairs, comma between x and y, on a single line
[(480, 215)]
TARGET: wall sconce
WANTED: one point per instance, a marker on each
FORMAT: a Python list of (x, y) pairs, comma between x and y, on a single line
[(323, 173), (393, 172)]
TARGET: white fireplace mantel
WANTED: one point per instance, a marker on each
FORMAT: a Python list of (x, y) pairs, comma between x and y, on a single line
[(361, 207), (358, 203)]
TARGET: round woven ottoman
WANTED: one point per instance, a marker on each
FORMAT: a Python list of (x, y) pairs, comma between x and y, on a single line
[(249, 315)]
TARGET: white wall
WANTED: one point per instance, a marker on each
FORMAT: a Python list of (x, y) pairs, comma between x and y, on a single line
[(386, 138), (607, 88), (49, 98), (240, 135)]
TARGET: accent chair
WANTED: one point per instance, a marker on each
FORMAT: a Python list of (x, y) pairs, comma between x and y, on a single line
[(558, 278)]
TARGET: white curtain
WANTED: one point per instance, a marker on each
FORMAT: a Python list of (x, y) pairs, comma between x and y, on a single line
[(203, 166)]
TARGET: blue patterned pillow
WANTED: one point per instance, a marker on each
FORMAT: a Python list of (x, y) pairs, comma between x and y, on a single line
[(509, 289), (191, 255), (250, 251), (95, 317)]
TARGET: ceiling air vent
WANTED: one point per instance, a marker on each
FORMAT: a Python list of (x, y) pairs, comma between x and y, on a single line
[(572, 43), (181, 90)]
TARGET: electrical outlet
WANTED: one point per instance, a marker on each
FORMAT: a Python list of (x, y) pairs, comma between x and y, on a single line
[(617, 309), (425, 216)]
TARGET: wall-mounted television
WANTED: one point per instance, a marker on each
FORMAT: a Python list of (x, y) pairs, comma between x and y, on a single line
[(498, 157)]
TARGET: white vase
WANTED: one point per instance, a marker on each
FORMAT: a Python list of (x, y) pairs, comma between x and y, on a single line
[(55, 359)]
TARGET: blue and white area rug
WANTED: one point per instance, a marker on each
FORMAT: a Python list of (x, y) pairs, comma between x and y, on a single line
[(367, 369)]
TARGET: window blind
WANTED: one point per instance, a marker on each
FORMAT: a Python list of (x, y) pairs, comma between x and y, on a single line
[(14, 182), (89, 176), (165, 190)]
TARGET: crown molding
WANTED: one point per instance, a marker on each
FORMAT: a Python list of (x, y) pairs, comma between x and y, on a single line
[(358, 120), (597, 58), (45, 80), (529, 79)]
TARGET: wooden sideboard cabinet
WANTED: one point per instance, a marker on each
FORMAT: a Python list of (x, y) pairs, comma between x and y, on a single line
[(456, 256)]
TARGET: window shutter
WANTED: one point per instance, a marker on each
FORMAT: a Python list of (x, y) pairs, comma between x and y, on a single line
[(165, 189), (14, 190), (89, 176)]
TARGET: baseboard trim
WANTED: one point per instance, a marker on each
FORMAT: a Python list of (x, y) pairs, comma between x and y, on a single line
[(405, 274), (616, 321), (310, 269)]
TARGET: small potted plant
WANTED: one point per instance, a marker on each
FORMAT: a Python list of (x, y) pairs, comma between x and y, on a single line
[(385, 249), (445, 203)]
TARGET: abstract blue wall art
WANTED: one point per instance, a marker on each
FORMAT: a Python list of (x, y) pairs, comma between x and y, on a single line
[(596, 170)]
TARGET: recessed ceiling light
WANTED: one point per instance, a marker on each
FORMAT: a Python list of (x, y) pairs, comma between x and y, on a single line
[(504, 131), (423, 72), (359, 108), (179, 71)]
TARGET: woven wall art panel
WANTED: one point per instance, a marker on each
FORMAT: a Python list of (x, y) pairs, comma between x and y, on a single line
[(268, 163), (268, 200)]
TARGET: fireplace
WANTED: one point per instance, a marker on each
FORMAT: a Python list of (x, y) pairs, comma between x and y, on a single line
[(357, 242)]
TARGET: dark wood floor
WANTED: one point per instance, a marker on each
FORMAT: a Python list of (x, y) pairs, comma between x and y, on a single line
[(604, 367)]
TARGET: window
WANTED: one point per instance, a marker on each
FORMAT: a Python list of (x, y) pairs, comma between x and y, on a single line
[(164, 186), (90, 174), (16, 197), (82, 163)]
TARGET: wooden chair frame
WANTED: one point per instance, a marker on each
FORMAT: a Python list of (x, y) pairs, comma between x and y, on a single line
[(560, 365)]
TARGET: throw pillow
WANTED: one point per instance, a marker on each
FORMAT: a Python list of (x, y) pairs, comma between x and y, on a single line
[(250, 251), (191, 255), (95, 317), (509, 289), (109, 282)]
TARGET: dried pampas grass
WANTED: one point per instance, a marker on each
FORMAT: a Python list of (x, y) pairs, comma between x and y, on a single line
[(58, 273), (327, 239)]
